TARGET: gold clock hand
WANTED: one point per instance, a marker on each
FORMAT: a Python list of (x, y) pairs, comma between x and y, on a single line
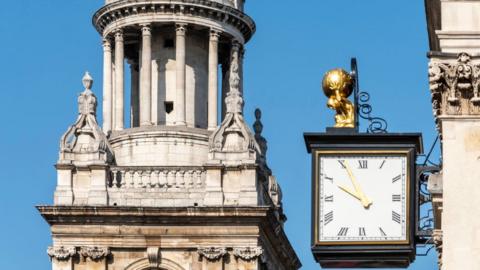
[(349, 191), (366, 202)]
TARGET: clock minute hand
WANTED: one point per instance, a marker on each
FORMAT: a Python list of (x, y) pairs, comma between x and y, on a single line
[(365, 201)]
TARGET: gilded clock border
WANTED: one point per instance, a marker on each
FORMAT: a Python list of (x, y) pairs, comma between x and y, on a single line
[(316, 200)]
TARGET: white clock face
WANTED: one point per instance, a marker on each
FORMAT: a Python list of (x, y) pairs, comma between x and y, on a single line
[(362, 198)]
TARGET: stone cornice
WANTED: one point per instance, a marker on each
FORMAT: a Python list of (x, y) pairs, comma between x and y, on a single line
[(264, 218), (213, 11)]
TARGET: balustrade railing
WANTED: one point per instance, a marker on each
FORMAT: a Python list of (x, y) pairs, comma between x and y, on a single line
[(157, 177)]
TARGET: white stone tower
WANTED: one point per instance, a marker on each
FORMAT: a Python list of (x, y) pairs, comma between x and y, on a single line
[(173, 189)]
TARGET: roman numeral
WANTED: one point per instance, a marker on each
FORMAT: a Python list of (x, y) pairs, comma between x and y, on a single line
[(329, 178), (382, 232), (396, 198), (396, 178), (383, 163), (361, 231), (342, 163), (363, 164), (343, 231), (396, 217), (328, 218), (329, 198)]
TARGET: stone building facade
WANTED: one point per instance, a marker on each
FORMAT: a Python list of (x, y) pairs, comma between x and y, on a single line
[(174, 188), (454, 74)]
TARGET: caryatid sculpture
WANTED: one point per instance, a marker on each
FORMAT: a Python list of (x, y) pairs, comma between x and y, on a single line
[(338, 86)]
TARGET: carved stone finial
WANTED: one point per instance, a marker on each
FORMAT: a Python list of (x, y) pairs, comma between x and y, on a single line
[(247, 253), (61, 253), (258, 128), (87, 101), (212, 253), (87, 81), (234, 99), (86, 126), (95, 253), (233, 135)]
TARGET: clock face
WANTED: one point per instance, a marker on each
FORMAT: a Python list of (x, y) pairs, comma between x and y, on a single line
[(362, 198)]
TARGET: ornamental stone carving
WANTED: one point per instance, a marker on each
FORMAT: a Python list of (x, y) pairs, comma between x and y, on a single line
[(258, 128), (61, 253), (233, 135), (85, 137), (454, 85), (95, 253), (212, 253), (247, 253), (153, 255)]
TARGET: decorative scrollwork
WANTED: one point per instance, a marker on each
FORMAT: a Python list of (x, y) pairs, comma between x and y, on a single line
[(363, 108), (376, 124)]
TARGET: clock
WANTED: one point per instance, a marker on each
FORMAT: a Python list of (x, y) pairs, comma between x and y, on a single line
[(364, 202), (364, 197)]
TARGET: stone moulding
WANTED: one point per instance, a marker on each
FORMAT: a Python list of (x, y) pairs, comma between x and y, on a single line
[(61, 253), (212, 253), (247, 253), (95, 253), (220, 13)]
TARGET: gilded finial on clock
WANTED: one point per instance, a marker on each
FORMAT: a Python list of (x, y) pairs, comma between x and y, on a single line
[(338, 86)]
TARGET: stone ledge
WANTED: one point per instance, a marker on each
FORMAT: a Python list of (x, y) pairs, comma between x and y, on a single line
[(214, 11)]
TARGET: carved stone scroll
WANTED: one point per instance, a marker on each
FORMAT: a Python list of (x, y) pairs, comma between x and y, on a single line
[(61, 253), (95, 253), (247, 253), (212, 253)]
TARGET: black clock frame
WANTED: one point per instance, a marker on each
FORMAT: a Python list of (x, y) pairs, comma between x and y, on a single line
[(371, 255)]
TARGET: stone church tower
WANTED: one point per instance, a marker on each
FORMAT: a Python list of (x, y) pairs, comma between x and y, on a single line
[(169, 186)]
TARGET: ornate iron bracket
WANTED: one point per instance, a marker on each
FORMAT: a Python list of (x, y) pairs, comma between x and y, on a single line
[(424, 225), (362, 106)]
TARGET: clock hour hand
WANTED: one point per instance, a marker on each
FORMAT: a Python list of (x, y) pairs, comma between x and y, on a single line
[(349, 191)]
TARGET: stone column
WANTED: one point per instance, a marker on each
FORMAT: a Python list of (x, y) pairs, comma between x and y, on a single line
[(119, 81), (107, 85), (134, 95), (213, 80), (179, 105), (146, 77)]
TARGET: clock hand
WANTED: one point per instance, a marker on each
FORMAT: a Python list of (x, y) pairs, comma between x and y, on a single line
[(349, 191), (366, 202)]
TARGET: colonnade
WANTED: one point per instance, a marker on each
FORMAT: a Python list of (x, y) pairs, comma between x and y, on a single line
[(114, 88)]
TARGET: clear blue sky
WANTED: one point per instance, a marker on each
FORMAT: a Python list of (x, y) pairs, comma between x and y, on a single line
[(48, 45)]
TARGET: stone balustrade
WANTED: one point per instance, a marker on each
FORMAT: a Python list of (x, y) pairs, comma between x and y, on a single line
[(157, 177)]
